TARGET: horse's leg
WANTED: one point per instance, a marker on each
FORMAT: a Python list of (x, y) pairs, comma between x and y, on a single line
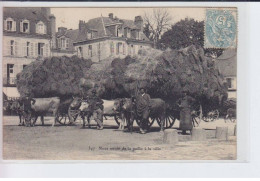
[(55, 113), (88, 120), (83, 119), (20, 119), (42, 120)]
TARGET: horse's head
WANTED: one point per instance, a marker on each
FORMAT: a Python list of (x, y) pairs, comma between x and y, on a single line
[(15, 105), (122, 105), (7, 105), (76, 103)]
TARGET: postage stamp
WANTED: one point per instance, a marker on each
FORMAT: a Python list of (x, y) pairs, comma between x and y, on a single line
[(220, 28)]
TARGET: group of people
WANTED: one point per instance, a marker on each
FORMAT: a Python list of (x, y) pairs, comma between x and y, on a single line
[(143, 107)]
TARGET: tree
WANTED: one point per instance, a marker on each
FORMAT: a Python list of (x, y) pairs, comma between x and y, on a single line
[(185, 33), (157, 22)]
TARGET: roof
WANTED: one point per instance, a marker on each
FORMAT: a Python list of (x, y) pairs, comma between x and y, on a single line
[(227, 63), (31, 13), (96, 24), (104, 27), (72, 34)]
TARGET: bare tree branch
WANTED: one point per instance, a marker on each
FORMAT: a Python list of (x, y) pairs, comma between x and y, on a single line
[(158, 22)]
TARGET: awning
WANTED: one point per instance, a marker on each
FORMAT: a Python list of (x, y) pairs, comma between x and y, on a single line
[(11, 92)]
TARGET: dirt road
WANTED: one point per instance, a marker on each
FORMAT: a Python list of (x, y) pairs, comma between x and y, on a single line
[(74, 143)]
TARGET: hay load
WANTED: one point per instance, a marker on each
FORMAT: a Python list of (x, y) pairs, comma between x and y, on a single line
[(56, 76), (164, 74)]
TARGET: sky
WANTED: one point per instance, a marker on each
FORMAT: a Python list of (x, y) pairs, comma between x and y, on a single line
[(69, 17)]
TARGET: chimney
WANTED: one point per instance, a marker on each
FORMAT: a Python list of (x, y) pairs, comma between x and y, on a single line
[(62, 30), (46, 11), (139, 22), (110, 15), (81, 24), (52, 19)]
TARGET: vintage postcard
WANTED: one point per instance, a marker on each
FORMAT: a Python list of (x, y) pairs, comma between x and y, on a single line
[(119, 83)]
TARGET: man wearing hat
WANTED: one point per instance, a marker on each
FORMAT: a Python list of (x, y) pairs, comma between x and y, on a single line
[(96, 108), (143, 107), (185, 114), (27, 105)]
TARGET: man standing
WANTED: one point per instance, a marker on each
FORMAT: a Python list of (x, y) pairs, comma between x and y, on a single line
[(185, 113), (27, 107), (143, 109), (96, 108)]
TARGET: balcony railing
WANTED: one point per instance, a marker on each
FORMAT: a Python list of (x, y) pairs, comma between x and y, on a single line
[(9, 81)]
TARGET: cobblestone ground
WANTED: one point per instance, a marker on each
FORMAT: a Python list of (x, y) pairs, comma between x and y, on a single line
[(74, 143)]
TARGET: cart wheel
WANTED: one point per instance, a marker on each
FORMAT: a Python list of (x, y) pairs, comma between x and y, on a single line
[(195, 121), (168, 123), (73, 115)]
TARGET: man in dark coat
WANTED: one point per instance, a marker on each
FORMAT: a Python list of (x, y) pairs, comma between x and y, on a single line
[(27, 108), (185, 114), (27, 103), (96, 108), (143, 107)]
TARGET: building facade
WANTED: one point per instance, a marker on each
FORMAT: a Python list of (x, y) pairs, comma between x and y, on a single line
[(28, 34), (110, 36), (227, 65), (64, 42)]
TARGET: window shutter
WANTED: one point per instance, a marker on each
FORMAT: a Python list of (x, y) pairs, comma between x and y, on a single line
[(16, 48), (24, 50), (36, 28), (6, 47), (46, 51), (36, 50), (14, 27), (21, 26), (45, 29), (31, 50), (5, 24), (28, 26), (4, 72)]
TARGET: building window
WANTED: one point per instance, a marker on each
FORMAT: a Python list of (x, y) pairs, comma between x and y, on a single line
[(10, 24), (80, 52), (40, 49), (89, 35), (40, 28), (24, 26), (123, 49), (230, 83), (112, 48), (27, 49), (12, 47), (63, 43), (10, 74), (132, 50), (67, 43), (90, 50)]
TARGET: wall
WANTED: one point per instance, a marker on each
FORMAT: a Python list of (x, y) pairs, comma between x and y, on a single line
[(20, 51), (60, 54), (105, 52)]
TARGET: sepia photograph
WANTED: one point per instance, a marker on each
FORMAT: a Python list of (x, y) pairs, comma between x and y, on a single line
[(119, 83)]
